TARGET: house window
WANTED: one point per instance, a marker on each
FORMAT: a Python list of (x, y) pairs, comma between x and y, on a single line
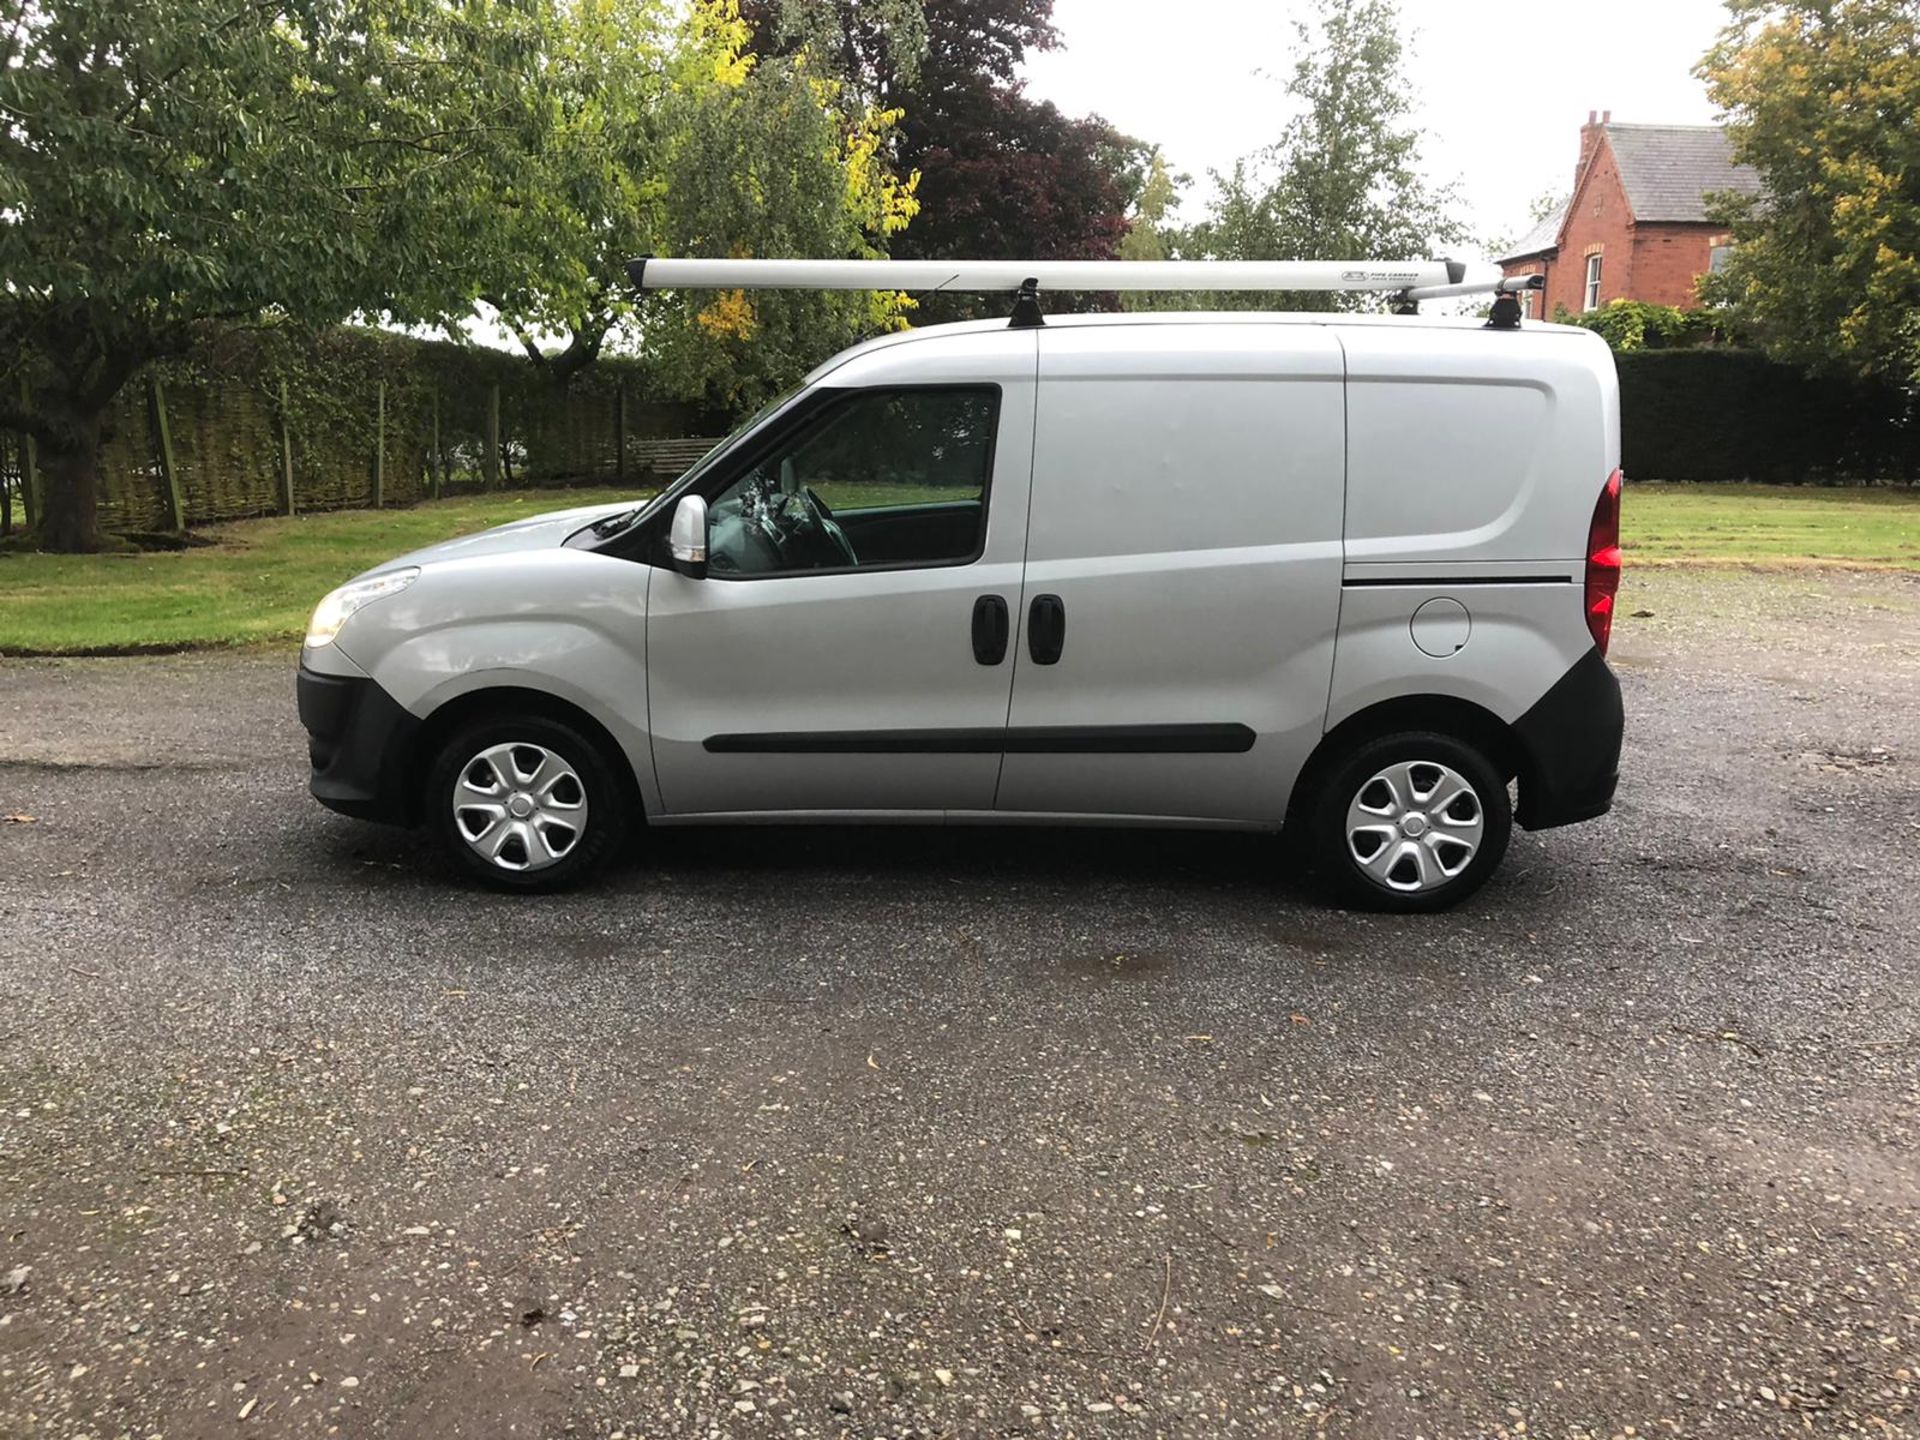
[(1593, 283), (1718, 256)]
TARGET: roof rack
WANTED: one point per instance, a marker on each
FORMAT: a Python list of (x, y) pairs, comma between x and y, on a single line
[(1408, 281)]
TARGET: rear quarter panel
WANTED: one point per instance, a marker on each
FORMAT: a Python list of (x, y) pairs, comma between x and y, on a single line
[(1474, 461), (1470, 446)]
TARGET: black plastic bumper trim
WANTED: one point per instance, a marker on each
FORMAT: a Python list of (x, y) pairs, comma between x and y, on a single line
[(1028, 740), (1570, 741), (359, 744)]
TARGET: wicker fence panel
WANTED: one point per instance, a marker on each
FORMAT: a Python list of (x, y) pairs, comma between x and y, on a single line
[(225, 452), (131, 483), (359, 403)]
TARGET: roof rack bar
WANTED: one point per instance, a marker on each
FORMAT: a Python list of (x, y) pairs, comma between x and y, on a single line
[(1420, 277), (1506, 285)]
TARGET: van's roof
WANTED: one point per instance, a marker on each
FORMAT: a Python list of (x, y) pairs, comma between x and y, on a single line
[(1460, 324)]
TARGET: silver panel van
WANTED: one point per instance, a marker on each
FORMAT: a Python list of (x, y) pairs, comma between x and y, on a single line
[(1348, 576)]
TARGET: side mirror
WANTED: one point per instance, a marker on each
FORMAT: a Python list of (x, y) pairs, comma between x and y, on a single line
[(687, 540)]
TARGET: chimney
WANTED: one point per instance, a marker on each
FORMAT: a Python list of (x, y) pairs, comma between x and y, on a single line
[(1589, 139)]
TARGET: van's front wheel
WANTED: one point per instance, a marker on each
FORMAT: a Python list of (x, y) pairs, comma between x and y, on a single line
[(525, 803), (1412, 822)]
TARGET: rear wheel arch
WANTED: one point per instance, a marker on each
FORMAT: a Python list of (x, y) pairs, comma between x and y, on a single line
[(1463, 720), (498, 701)]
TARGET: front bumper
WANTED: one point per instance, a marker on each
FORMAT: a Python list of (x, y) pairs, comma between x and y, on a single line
[(1570, 743), (360, 744)]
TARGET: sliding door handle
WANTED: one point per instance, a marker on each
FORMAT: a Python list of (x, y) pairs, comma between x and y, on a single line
[(990, 629), (1046, 629)]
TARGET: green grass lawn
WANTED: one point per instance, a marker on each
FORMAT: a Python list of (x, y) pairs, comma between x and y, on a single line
[(1771, 525), (260, 580)]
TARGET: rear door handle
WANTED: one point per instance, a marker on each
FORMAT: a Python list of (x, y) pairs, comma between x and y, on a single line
[(1046, 629), (990, 629)]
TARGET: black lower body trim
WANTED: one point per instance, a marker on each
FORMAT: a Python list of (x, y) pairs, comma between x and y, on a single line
[(1017, 740), (1570, 742), (1440, 582), (359, 742)]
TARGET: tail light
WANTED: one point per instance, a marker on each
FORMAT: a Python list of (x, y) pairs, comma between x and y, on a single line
[(1603, 562)]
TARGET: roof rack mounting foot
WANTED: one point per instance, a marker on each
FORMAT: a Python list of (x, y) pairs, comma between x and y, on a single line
[(1504, 313), (1403, 304), (1027, 314)]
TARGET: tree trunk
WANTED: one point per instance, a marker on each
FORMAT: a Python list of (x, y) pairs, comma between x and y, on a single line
[(70, 461)]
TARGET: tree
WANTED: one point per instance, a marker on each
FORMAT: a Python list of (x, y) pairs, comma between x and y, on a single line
[(769, 164), (165, 164), (1152, 233), (1000, 173), (617, 73), (873, 46), (1344, 179), (670, 138), (1820, 98)]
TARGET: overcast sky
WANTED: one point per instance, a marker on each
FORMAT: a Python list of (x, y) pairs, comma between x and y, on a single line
[(1502, 89)]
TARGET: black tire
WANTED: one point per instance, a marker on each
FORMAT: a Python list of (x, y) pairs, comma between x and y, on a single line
[(1427, 753), (606, 801)]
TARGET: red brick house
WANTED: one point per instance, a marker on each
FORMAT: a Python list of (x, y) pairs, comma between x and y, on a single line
[(1636, 226)]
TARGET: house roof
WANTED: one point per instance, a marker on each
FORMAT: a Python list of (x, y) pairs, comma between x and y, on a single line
[(1669, 170), (1543, 237)]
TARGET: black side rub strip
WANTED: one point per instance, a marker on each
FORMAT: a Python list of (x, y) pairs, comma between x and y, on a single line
[(1441, 581), (1030, 740)]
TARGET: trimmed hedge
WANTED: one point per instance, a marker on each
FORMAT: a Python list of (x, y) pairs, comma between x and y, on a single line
[(1722, 414)]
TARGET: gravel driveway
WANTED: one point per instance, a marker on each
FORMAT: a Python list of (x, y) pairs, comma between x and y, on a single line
[(905, 1133)]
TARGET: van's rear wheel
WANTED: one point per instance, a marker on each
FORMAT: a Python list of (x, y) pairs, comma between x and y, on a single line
[(1412, 822), (525, 803)]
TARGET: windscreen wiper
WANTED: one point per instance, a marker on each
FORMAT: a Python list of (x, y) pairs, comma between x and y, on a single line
[(614, 524)]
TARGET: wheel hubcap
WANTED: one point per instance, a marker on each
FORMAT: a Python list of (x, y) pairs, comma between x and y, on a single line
[(520, 806), (1415, 826)]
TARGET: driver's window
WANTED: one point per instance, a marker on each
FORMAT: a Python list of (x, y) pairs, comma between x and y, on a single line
[(886, 478)]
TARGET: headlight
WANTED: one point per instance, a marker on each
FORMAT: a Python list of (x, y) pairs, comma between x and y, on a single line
[(331, 613)]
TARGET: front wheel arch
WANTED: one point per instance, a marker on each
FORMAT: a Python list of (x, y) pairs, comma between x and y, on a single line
[(501, 701)]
